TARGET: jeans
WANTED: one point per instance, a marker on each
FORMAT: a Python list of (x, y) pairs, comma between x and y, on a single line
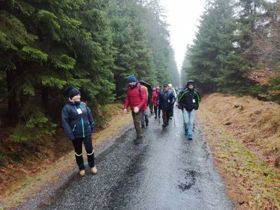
[(78, 146), (189, 122)]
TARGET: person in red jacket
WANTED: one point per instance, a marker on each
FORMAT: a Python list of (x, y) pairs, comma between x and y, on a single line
[(155, 102), (136, 99)]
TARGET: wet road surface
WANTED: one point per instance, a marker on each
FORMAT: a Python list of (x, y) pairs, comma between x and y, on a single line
[(166, 172)]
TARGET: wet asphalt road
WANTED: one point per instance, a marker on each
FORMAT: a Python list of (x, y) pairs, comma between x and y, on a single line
[(166, 172)]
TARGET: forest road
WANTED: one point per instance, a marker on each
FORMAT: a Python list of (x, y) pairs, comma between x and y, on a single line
[(166, 172)]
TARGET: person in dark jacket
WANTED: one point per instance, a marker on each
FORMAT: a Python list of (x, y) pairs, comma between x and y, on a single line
[(79, 126), (188, 101), (175, 95), (166, 100)]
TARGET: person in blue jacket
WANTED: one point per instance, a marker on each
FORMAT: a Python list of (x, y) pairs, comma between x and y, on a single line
[(79, 125)]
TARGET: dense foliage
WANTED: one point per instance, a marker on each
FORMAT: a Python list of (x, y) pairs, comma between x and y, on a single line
[(236, 38), (45, 46)]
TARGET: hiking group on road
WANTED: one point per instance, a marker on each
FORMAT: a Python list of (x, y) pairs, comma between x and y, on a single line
[(163, 102), (79, 124)]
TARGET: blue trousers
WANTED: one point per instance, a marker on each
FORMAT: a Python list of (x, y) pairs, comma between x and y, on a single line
[(189, 122)]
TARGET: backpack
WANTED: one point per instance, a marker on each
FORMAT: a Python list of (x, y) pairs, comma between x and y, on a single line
[(166, 95), (140, 91)]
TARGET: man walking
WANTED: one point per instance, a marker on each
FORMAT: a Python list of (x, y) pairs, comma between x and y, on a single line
[(136, 99), (166, 101), (188, 101), (175, 95)]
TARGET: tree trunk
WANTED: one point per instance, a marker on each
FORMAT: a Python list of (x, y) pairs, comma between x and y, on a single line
[(13, 108), (45, 99)]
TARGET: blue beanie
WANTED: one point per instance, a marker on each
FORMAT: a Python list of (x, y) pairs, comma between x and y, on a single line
[(131, 78)]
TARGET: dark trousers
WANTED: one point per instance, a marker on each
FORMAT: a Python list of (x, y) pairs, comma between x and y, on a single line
[(166, 116), (137, 118), (172, 110), (157, 111), (78, 143), (145, 118), (151, 107)]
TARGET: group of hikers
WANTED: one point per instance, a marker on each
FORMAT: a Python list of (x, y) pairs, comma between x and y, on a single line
[(163, 101), (79, 125)]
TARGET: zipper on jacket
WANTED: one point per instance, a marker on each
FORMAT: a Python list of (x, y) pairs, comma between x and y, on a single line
[(74, 128), (82, 122), (83, 127)]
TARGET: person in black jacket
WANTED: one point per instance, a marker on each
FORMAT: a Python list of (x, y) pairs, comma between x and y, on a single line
[(79, 125), (188, 101), (166, 100)]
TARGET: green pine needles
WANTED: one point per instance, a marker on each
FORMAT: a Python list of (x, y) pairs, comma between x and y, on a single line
[(45, 46)]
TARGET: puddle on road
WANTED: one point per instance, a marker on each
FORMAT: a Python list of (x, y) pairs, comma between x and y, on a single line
[(190, 180)]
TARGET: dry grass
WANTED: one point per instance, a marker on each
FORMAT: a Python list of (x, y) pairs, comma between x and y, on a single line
[(244, 136), (255, 122), (263, 77)]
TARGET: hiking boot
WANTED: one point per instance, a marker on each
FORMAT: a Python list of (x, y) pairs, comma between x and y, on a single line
[(82, 173), (93, 170)]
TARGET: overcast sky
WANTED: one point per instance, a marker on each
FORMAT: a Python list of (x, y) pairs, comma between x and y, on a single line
[(183, 18)]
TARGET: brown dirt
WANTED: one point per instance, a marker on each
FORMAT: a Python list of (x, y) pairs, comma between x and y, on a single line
[(23, 176), (244, 135)]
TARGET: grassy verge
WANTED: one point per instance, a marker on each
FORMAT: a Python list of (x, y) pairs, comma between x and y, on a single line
[(26, 167), (252, 182)]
